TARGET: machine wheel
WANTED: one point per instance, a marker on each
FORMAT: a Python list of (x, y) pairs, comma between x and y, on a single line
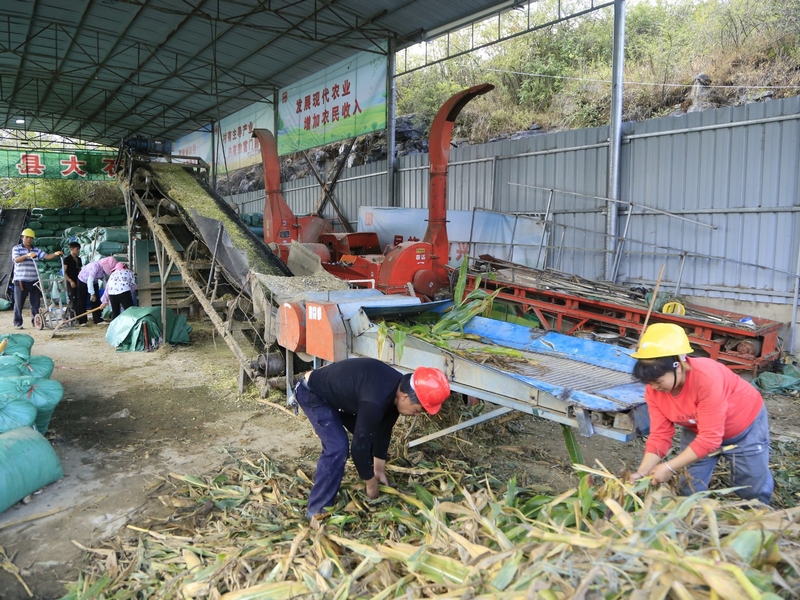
[(38, 322)]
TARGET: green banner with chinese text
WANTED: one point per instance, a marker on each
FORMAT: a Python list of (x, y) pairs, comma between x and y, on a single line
[(42, 164)]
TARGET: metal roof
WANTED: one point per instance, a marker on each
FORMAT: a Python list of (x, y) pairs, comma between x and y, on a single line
[(102, 70)]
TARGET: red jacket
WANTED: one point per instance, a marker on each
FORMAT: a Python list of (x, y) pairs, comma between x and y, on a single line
[(714, 402)]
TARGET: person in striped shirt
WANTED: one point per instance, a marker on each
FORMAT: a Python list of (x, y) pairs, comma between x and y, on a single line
[(25, 256)]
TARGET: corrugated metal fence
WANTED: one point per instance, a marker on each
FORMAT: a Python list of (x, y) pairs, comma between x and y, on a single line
[(727, 178)]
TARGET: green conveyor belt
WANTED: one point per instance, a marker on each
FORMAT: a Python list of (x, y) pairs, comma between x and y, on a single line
[(179, 185)]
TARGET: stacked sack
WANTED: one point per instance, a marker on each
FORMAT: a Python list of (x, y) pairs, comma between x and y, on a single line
[(51, 222), (28, 398), (102, 229), (99, 242), (255, 222)]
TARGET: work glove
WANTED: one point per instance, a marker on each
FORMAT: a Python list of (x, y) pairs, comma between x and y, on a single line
[(32, 255), (58, 253), (93, 298)]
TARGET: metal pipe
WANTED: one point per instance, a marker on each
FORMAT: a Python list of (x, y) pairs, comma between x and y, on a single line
[(680, 274), (544, 231), (391, 109), (638, 136), (793, 335), (471, 228), (561, 249), (214, 257), (620, 246), (493, 183), (628, 202), (513, 233), (678, 252), (615, 135)]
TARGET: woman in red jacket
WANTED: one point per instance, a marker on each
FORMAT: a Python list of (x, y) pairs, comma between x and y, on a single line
[(716, 409)]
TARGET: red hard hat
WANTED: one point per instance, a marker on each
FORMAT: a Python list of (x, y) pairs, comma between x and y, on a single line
[(431, 387)]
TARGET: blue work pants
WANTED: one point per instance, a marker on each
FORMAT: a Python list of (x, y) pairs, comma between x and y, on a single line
[(329, 425), (749, 462), (23, 290)]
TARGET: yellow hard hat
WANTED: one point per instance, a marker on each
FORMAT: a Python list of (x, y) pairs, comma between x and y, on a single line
[(28, 233), (663, 339), (673, 308)]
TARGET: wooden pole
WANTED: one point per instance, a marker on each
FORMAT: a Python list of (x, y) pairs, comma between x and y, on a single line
[(652, 302), (74, 318)]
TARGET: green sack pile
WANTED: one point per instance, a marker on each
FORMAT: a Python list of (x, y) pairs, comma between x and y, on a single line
[(47, 222), (44, 394), (17, 344), (99, 242), (16, 412), (25, 378), (37, 366), (27, 463)]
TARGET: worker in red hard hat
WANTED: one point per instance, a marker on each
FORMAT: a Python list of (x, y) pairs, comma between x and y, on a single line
[(363, 396)]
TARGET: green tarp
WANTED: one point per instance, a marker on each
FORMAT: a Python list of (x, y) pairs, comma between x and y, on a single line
[(139, 328), (777, 383)]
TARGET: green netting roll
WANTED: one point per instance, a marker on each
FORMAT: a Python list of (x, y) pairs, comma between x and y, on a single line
[(42, 240), (37, 366), (102, 211), (112, 234), (46, 218), (44, 233), (72, 231), (27, 463), (35, 212), (16, 412), (44, 394), (19, 344), (47, 212), (78, 210), (109, 248), (62, 210)]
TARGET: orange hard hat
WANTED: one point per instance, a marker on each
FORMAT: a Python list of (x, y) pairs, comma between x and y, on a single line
[(431, 387)]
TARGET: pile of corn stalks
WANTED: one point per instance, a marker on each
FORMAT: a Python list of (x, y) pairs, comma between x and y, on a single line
[(445, 532), (442, 329)]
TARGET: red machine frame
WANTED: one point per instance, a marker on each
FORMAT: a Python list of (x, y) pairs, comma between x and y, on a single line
[(353, 256), (739, 348)]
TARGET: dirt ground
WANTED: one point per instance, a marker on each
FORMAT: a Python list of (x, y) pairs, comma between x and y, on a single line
[(127, 420)]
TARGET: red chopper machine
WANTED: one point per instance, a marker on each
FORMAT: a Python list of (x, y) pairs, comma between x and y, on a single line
[(356, 256)]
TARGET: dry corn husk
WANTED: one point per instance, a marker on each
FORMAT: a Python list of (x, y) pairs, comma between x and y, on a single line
[(449, 532)]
